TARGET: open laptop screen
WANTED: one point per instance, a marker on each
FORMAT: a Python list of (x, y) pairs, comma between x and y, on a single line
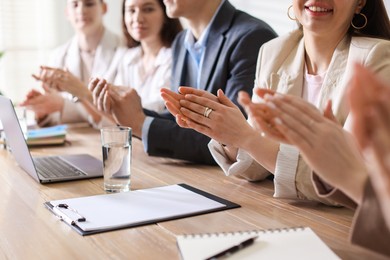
[(15, 137)]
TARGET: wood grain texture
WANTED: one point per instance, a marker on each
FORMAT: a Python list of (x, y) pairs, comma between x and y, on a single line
[(29, 231)]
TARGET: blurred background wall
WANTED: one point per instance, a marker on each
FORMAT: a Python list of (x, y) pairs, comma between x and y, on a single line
[(30, 29)]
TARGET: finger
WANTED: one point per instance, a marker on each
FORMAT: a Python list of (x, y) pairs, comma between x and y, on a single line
[(195, 117), (117, 93), (44, 67), (297, 108), (171, 100), (48, 89), (197, 92), (294, 137), (171, 94), (294, 130), (197, 127), (245, 101), (360, 93), (173, 109), (36, 77), (182, 121), (97, 91), (224, 99), (47, 73), (268, 130), (107, 101), (380, 133), (92, 84), (35, 101), (194, 107), (264, 111), (261, 92), (33, 93), (243, 98), (328, 112), (200, 102), (383, 106), (100, 98)]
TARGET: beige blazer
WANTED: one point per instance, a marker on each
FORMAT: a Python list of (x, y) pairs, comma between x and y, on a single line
[(281, 67), (107, 57)]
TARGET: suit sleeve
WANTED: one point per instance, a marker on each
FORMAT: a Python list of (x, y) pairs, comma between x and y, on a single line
[(167, 139)]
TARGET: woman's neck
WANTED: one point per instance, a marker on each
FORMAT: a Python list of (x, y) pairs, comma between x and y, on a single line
[(90, 42), (319, 52), (150, 50)]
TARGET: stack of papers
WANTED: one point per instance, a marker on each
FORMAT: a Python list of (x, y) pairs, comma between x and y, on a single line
[(46, 135)]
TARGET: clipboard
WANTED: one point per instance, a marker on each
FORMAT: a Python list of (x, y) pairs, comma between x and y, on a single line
[(101, 213)]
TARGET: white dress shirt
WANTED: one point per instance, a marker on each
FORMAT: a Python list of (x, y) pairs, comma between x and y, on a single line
[(131, 73)]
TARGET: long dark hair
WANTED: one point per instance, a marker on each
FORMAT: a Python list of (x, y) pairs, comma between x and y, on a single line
[(170, 29), (378, 23)]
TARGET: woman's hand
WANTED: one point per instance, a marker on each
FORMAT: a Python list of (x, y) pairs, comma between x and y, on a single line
[(214, 116), (370, 108), (43, 104), (328, 149), (172, 99), (123, 104), (63, 80)]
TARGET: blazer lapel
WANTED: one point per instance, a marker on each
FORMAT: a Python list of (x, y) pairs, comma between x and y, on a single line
[(289, 78), (179, 67), (336, 74), (210, 59), (215, 42)]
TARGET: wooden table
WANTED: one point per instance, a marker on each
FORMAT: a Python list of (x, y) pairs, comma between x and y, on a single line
[(29, 231)]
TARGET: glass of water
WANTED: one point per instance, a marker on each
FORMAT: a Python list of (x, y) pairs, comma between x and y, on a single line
[(116, 147)]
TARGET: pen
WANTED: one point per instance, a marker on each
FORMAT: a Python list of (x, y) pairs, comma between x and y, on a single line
[(234, 248)]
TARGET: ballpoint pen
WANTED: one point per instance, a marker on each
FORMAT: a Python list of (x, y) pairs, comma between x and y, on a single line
[(234, 248)]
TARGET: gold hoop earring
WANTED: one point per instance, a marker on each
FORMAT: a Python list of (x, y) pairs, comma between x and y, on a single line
[(288, 13), (360, 27)]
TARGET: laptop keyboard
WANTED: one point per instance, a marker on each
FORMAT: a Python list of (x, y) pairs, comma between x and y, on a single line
[(55, 167)]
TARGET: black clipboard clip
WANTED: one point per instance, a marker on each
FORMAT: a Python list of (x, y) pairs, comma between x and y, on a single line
[(61, 214)]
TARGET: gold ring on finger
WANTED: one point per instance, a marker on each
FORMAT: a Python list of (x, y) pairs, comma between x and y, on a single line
[(207, 112)]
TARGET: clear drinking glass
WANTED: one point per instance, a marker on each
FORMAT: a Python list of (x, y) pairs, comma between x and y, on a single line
[(116, 147)]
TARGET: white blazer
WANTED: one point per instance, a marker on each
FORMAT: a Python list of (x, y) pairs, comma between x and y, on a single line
[(105, 65), (280, 67), (131, 73)]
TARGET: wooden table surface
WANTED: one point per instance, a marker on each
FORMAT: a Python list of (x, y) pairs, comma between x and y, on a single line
[(29, 231)]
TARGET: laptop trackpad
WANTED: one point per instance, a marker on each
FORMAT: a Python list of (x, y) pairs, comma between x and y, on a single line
[(85, 162)]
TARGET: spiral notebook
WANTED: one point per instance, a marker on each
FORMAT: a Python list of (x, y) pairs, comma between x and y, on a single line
[(288, 243)]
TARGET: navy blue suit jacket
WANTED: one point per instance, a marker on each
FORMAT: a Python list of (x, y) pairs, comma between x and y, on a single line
[(229, 64)]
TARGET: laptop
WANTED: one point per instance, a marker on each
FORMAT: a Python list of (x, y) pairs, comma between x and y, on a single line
[(44, 169)]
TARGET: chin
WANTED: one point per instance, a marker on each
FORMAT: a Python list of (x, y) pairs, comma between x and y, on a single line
[(172, 12)]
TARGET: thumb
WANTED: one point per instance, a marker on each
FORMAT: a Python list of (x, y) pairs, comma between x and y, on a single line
[(328, 112), (47, 89), (114, 92), (224, 99)]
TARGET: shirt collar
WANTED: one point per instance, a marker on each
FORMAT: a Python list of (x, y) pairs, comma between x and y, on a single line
[(189, 41)]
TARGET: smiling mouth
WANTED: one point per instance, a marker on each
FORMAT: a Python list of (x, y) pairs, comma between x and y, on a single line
[(317, 9)]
